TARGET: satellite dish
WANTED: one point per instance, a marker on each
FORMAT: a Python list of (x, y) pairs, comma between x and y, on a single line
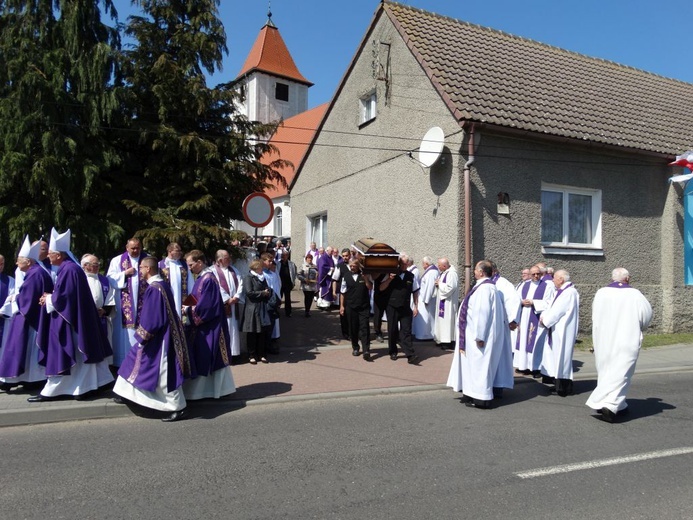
[(431, 146)]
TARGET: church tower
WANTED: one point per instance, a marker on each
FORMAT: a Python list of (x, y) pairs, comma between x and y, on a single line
[(271, 85)]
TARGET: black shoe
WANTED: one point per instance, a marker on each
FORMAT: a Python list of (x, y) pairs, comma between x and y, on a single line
[(6, 387), (413, 359), (367, 356), (607, 415), (393, 357), (548, 380), (84, 396), (118, 400), (355, 352), (38, 399), (536, 374), (174, 416), (379, 337)]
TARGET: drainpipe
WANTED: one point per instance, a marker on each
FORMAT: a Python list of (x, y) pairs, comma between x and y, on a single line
[(468, 213)]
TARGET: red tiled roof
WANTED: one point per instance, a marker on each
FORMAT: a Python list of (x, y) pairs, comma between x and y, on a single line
[(489, 76), (293, 139), (269, 54)]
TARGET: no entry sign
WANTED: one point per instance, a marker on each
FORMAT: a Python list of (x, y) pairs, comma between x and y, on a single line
[(258, 209)]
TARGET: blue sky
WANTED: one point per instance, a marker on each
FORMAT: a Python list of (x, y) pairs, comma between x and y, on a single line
[(323, 35)]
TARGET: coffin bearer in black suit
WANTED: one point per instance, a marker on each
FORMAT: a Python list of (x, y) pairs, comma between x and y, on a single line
[(401, 288), (355, 305)]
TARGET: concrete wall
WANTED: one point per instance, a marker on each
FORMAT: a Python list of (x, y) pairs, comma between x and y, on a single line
[(362, 176), (641, 219)]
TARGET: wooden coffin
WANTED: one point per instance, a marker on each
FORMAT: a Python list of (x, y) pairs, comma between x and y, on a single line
[(376, 257)]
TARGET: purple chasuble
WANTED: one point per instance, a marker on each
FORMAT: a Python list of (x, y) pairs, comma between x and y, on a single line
[(208, 336), (325, 263), (533, 318), (36, 282), (160, 332), (76, 312), (129, 316), (462, 323)]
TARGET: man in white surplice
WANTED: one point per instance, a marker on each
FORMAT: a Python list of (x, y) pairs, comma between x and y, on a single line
[(561, 321), (175, 271), (511, 303), (425, 320), (231, 285), (447, 299), (620, 313), (482, 333), (536, 297), (124, 276)]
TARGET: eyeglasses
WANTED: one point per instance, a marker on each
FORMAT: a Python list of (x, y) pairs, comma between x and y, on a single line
[(535, 274)]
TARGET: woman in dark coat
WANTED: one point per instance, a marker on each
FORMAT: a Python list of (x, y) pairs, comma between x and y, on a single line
[(256, 320)]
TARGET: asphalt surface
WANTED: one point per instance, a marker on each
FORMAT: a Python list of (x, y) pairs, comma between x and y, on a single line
[(315, 362)]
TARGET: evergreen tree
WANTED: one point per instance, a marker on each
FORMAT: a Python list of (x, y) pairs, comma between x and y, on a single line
[(58, 89), (189, 162)]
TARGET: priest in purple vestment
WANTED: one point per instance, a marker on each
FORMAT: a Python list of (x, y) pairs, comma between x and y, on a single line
[(19, 356), (75, 349), (208, 335), (325, 269), (152, 373)]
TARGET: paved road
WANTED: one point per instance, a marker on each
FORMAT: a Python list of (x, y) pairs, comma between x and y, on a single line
[(405, 456)]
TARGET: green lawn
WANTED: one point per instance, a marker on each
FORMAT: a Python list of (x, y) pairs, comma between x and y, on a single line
[(584, 341)]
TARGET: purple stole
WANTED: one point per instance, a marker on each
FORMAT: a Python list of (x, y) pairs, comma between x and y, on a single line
[(441, 305), (462, 324), (558, 293), (224, 284), (105, 286), (4, 290), (533, 318), (129, 318), (619, 285), (183, 276)]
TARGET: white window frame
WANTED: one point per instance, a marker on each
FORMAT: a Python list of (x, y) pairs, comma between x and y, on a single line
[(278, 222), (317, 229), (368, 107), (564, 247)]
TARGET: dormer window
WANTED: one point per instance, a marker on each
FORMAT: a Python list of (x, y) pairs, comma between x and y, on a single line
[(368, 107), (281, 91)]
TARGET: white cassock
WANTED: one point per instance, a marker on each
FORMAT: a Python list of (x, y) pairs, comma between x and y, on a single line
[(97, 293), (123, 337), (619, 315), (176, 271), (425, 321), (523, 360), (562, 318), (275, 284), (235, 291), (473, 371), (447, 299), (511, 304)]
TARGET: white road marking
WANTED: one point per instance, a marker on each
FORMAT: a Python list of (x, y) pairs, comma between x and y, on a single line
[(566, 468)]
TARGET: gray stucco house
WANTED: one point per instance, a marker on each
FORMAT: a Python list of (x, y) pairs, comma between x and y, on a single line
[(580, 146)]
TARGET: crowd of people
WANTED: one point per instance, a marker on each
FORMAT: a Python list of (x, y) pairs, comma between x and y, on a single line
[(168, 331)]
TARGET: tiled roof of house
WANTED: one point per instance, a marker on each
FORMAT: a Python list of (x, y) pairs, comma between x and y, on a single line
[(269, 54), (293, 139), (489, 76)]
